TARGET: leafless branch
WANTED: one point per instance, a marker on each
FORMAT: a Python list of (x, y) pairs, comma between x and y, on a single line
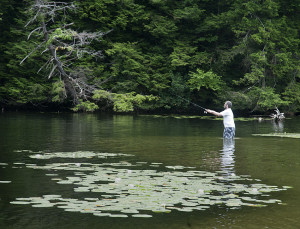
[(45, 51), (37, 47), (47, 9), (64, 26), (34, 18), (51, 73), (48, 61), (38, 28), (104, 81), (62, 53)]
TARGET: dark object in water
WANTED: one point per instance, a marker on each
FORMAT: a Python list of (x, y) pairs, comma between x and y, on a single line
[(277, 116)]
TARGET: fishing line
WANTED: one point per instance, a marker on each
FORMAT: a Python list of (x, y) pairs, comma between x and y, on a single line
[(193, 103)]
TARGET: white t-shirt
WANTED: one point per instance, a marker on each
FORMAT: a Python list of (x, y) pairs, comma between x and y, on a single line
[(228, 118)]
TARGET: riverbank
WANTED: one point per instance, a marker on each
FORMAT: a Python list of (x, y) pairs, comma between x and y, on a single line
[(192, 112)]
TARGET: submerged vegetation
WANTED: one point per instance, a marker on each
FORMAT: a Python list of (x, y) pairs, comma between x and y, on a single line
[(126, 55), (119, 188)]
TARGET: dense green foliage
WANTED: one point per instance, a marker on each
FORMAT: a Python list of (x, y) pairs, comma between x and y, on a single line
[(161, 53)]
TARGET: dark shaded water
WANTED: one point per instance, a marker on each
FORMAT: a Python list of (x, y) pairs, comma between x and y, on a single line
[(170, 141)]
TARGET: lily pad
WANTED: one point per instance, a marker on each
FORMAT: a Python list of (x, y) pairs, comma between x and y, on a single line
[(118, 215), (122, 190), (282, 135), (5, 181), (20, 202), (102, 214), (142, 216), (45, 205)]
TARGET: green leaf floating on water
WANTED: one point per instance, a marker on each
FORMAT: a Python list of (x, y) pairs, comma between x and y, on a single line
[(283, 135), (123, 190)]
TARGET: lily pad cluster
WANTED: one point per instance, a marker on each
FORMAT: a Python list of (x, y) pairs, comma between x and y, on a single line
[(123, 189), (282, 135)]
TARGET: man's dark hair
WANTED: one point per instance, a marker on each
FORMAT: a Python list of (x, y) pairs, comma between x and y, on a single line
[(229, 104)]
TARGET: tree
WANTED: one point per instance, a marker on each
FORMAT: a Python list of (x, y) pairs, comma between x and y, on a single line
[(63, 46), (266, 47), (202, 51), (18, 84)]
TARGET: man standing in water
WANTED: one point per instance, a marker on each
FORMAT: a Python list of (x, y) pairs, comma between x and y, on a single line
[(229, 126)]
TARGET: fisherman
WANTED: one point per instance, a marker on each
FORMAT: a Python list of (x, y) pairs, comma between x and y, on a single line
[(228, 119)]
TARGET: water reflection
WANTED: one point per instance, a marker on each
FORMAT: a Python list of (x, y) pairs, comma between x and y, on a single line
[(278, 126), (227, 157)]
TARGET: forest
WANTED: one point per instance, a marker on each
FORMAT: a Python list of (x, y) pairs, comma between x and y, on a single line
[(149, 55)]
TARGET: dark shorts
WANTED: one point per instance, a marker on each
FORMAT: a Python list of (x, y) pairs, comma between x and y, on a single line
[(229, 132)]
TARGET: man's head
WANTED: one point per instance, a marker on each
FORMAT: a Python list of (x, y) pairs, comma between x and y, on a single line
[(227, 104)]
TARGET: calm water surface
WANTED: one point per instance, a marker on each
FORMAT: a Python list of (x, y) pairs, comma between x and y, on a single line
[(170, 141)]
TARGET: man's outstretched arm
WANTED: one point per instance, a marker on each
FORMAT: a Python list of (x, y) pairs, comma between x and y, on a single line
[(213, 112)]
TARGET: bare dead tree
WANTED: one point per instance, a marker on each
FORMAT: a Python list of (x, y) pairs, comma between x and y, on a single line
[(277, 116), (63, 46)]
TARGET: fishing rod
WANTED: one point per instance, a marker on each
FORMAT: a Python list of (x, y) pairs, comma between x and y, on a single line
[(193, 103)]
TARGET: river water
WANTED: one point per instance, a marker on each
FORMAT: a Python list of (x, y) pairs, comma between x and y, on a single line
[(160, 145)]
